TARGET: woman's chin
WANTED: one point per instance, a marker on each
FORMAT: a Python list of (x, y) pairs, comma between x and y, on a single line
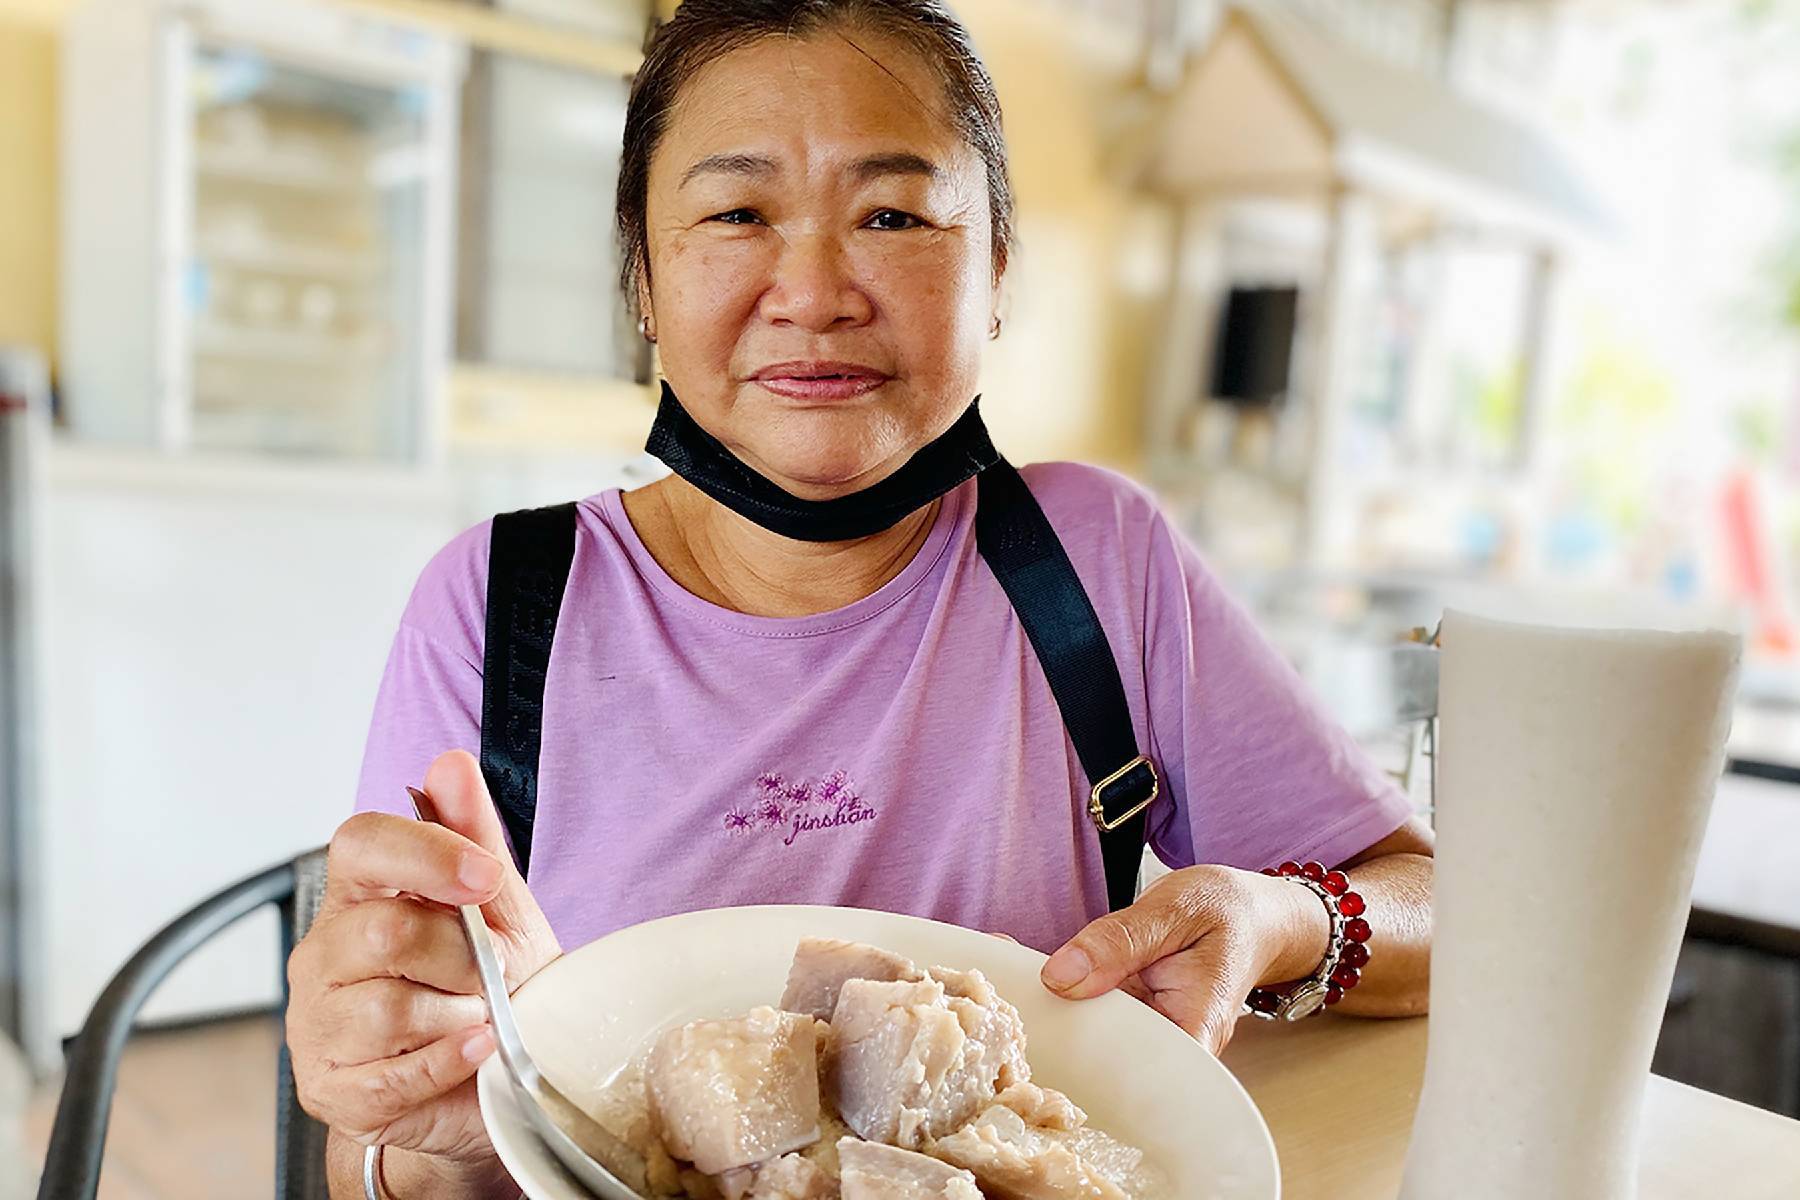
[(815, 474)]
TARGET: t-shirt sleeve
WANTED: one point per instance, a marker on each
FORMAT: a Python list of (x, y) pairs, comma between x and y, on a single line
[(1257, 770), (429, 699)]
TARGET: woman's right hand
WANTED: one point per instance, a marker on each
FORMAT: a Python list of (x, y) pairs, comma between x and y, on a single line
[(385, 1020)]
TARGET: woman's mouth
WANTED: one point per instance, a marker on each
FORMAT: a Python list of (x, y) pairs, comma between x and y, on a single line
[(820, 380)]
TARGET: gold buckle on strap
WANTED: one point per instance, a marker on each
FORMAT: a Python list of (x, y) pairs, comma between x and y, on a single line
[(1097, 807)]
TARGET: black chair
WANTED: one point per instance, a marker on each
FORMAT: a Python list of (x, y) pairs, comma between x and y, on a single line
[(78, 1137)]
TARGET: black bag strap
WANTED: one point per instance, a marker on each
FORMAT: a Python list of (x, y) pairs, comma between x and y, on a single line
[(529, 555), (1016, 539)]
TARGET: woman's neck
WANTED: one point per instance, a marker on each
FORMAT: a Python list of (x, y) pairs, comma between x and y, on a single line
[(733, 562)]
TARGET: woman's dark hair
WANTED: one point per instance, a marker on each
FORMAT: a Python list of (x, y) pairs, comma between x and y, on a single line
[(703, 30)]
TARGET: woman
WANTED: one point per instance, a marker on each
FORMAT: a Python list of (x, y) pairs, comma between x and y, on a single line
[(814, 206)]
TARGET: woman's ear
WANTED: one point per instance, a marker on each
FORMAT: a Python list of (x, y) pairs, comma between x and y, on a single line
[(641, 281), (646, 318)]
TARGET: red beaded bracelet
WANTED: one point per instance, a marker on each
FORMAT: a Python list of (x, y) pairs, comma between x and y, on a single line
[(1346, 952)]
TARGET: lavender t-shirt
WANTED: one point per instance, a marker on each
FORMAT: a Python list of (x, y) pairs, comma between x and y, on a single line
[(903, 752)]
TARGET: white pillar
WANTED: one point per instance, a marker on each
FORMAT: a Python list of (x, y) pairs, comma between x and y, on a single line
[(1190, 316), (1424, 421), (1328, 520), (1541, 358)]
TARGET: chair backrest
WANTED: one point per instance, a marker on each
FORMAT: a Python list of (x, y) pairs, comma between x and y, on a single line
[(78, 1135), (299, 1139)]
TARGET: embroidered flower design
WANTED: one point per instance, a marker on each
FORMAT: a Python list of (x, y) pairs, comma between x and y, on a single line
[(789, 810)]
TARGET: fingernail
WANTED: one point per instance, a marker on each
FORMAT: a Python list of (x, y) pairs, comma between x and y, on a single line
[(1067, 967), (478, 872), (479, 1046)]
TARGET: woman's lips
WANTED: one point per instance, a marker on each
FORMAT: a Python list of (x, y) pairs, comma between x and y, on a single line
[(830, 387)]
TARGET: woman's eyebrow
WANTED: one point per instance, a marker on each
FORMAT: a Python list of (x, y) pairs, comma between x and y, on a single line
[(902, 162), (871, 166), (729, 164)]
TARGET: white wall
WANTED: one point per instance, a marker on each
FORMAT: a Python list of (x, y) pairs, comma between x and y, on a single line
[(213, 638)]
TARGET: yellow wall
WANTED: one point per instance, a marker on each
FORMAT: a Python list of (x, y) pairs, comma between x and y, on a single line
[(1066, 378), (28, 63), (43, 14)]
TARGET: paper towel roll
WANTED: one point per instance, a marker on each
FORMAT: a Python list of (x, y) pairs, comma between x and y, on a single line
[(1578, 768)]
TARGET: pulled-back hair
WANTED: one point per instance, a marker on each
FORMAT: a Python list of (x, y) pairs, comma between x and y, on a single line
[(703, 30)]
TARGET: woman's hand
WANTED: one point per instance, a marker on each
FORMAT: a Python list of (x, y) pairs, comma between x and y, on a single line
[(385, 1021), (1194, 945)]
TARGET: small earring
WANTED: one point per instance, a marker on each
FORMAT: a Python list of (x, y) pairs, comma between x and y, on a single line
[(994, 332), (644, 329)]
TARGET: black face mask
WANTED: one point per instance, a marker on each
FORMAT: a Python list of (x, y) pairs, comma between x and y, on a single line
[(959, 454)]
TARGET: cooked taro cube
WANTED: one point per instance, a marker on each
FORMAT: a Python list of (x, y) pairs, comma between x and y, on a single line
[(1114, 1161), (1044, 1107), (892, 1045), (1015, 1161), (993, 1057), (822, 965), (789, 1177), (873, 1172), (727, 1094), (903, 1074)]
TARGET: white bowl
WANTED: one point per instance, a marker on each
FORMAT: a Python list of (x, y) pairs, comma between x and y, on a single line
[(1138, 1075)]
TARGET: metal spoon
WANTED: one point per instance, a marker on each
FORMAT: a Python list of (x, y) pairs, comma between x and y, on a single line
[(571, 1131)]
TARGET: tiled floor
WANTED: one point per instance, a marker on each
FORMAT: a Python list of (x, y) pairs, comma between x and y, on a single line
[(193, 1118), (17, 1176)]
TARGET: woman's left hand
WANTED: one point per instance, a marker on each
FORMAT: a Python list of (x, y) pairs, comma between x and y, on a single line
[(1194, 945)]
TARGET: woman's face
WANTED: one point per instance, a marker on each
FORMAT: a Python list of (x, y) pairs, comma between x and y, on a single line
[(811, 202)]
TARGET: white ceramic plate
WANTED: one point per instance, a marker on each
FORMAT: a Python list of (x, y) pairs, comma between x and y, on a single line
[(1138, 1076)]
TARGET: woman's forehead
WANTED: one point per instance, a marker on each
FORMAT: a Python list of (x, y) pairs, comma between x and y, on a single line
[(832, 101)]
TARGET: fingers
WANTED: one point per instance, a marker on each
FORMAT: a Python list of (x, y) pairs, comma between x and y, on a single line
[(448, 1129), (370, 1098), (375, 855), (1183, 948), (375, 981), (386, 1018), (385, 1021), (460, 795), (391, 938), (1202, 989), (1164, 921)]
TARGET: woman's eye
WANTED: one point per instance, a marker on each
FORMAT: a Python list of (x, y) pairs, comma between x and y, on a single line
[(893, 214), (887, 218)]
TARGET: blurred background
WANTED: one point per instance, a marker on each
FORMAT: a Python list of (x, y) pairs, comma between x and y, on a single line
[(1396, 303)]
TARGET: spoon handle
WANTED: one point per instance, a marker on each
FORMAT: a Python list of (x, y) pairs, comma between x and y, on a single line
[(493, 975), (579, 1142)]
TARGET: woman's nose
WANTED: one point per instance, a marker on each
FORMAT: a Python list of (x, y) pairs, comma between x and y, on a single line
[(813, 286)]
